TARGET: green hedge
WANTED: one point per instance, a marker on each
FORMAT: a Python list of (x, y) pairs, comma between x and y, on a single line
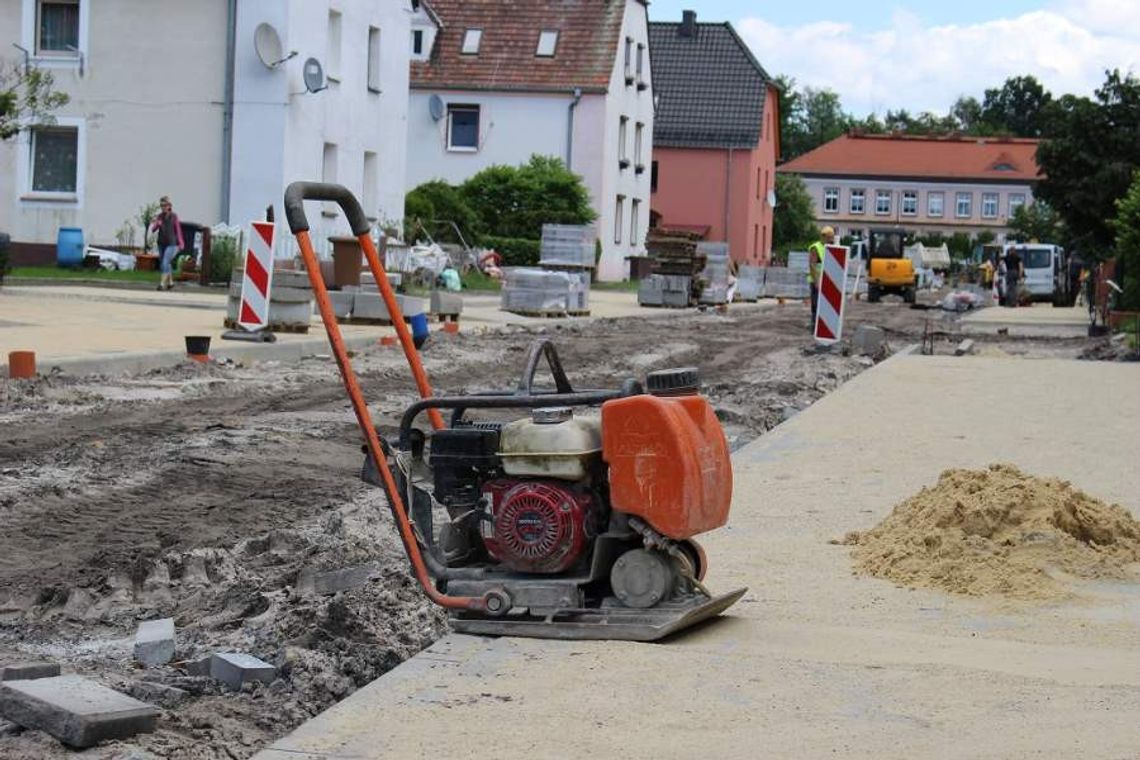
[(516, 252)]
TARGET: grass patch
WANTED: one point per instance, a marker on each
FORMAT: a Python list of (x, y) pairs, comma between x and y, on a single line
[(59, 273), (627, 286), (476, 280)]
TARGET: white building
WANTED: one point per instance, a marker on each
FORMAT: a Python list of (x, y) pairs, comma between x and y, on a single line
[(496, 83), (172, 99)]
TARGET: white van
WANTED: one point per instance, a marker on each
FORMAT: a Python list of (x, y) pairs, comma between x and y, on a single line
[(1046, 270)]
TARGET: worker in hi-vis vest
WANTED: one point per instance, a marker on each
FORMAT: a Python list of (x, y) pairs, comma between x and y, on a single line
[(815, 267)]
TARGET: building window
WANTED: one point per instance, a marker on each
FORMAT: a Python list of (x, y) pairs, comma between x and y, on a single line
[(1016, 201), (328, 175), (369, 195), (634, 210), (418, 42), (373, 59), (989, 205), (758, 174), (638, 131), (909, 202), (858, 201), (963, 208), (934, 204), (547, 42), (57, 27), (623, 159), (629, 60), (653, 178), (882, 202), (332, 70), (831, 200), (463, 127), (471, 40), (55, 160), (619, 207), (641, 85)]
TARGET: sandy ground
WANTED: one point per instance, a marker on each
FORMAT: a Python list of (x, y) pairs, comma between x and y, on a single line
[(207, 493)]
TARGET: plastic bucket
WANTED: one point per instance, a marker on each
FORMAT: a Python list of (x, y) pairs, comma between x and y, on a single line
[(21, 365), (69, 247), (420, 329), (198, 347)]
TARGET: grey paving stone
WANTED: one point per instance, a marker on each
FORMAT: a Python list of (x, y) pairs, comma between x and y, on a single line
[(76, 711), (154, 642), (27, 671), (235, 668)]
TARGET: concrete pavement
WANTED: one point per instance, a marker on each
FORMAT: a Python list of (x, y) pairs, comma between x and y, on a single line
[(85, 329), (1039, 320), (815, 661)]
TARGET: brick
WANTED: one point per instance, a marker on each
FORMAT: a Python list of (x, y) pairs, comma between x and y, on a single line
[(234, 669), (154, 642), (158, 693), (76, 711), (27, 671), (965, 347)]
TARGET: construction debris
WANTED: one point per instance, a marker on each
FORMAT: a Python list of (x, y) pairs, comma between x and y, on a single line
[(76, 711), (27, 671), (868, 340), (965, 347), (154, 642), (235, 669)]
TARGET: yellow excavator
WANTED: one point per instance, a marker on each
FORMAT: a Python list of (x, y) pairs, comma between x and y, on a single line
[(889, 271)]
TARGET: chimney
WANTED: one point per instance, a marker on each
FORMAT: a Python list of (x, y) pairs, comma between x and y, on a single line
[(688, 23)]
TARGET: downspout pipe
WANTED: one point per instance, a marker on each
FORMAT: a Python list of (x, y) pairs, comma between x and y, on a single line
[(228, 109), (570, 126)]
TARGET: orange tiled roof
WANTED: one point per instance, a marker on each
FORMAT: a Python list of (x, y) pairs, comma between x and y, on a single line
[(587, 48), (975, 158)]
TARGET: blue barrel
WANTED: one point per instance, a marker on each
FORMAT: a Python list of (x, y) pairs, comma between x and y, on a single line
[(419, 329), (69, 247)]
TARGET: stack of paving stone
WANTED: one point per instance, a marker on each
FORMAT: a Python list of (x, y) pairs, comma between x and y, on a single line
[(784, 282), (290, 301), (673, 291), (749, 282), (676, 265), (714, 276), (540, 292), (570, 248)]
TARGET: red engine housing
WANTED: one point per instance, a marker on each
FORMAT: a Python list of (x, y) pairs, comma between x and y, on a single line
[(537, 526)]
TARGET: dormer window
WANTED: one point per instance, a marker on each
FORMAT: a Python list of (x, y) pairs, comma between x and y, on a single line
[(1003, 167), (471, 39), (547, 41)]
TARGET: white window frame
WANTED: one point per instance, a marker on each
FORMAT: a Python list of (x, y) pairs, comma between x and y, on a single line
[(861, 194), (29, 37), (623, 134), (629, 60), (370, 185), (638, 136), (330, 171), (24, 169), (880, 195), (374, 49), (911, 195), (640, 66), (334, 44), (549, 36), (634, 210), (1013, 204), (831, 200), (478, 109), (959, 197), (996, 199), (619, 218), (931, 196), (472, 39)]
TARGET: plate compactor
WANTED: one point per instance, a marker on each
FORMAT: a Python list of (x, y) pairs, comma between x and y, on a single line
[(575, 518)]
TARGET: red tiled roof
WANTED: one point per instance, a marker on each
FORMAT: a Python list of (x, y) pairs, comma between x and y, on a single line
[(587, 48), (991, 158)]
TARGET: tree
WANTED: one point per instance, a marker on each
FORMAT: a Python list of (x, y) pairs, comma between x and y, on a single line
[(967, 115), (1037, 221), (516, 201), (1017, 106), (808, 119), (1126, 224), (793, 223), (26, 97), (432, 205), (789, 107), (1089, 159)]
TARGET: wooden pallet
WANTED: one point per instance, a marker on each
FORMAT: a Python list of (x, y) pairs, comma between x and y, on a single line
[(290, 329), (578, 313), (365, 321)]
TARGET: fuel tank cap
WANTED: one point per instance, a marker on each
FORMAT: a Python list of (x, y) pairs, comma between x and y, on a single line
[(682, 381), (551, 415)]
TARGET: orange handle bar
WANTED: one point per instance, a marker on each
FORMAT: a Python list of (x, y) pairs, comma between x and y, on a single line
[(295, 195)]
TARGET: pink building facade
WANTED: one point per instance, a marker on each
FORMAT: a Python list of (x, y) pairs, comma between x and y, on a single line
[(715, 139)]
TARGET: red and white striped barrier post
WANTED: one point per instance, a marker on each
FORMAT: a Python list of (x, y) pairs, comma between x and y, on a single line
[(829, 311), (258, 277)]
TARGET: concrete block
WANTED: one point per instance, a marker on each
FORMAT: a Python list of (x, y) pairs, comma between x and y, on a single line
[(965, 347), (448, 304), (410, 305), (154, 642), (341, 301), (27, 671), (158, 693), (369, 306), (76, 711), (234, 668), (285, 278), (283, 294), (868, 340), (332, 581)]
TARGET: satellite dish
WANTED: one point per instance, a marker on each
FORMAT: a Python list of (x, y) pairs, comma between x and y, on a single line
[(772, 198), (267, 43), (314, 75), (435, 107)]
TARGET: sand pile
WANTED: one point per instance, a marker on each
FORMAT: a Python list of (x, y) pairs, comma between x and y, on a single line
[(999, 531)]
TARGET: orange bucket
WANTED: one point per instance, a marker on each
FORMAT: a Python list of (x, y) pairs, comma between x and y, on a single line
[(21, 365), (451, 327)]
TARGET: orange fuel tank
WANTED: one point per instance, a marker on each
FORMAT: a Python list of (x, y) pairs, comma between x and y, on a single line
[(669, 462)]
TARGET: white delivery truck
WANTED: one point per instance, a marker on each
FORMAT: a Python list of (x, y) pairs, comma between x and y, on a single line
[(1046, 272)]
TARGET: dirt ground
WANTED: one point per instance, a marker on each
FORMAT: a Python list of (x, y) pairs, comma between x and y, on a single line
[(211, 494)]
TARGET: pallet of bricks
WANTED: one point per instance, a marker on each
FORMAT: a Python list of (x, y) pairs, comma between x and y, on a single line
[(714, 277), (290, 301), (676, 264), (560, 285), (790, 281)]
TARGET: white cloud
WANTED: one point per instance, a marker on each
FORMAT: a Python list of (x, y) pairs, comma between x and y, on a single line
[(925, 68)]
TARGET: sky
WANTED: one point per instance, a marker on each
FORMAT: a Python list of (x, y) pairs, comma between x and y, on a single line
[(922, 56)]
